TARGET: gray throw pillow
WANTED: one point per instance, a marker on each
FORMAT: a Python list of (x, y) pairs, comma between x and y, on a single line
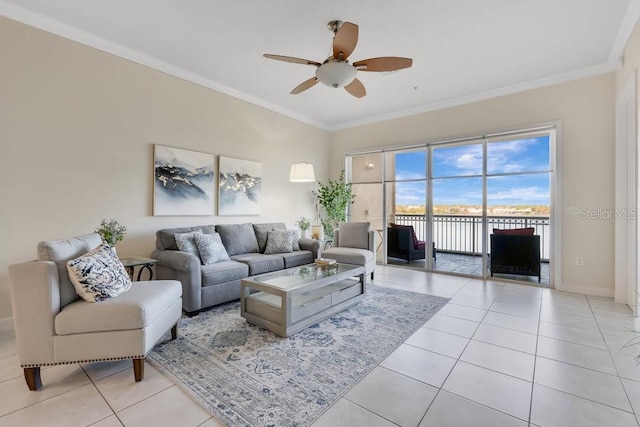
[(261, 231), (279, 242), (211, 248), (238, 238), (186, 242), (296, 237), (354, 235)]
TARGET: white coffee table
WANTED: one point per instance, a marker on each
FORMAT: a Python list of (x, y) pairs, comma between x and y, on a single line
[(287, 301)]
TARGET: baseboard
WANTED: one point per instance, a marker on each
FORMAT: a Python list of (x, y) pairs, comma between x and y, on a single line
[(585, 290), (7, 329)]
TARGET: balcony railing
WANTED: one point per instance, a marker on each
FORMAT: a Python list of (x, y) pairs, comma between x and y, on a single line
[(463, 233)]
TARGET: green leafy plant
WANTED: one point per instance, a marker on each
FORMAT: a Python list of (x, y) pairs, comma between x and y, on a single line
[(303, 223), (111, 231), (334, 197)]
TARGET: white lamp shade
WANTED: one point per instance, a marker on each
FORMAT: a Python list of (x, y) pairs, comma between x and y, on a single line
[(302, 172), (336, 74)]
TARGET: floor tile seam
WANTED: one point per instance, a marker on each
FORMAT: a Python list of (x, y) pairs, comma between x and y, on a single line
[(206, 421), (481, 404), (495, 370), (446, 332), (107, 376), (514, 315), (113, 411), (511, 329), (503, 346), (575, 343), (431, 350), (586, 398), (535, 364), (467, 306), (566, 312), (365, 409), (613, 360), (8, 356), (43, 400), (564, 324), (580, 366), (462, 318), (484, 404), (152, 395)]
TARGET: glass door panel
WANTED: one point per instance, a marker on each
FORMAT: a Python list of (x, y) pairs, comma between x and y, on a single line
[(457, 225)]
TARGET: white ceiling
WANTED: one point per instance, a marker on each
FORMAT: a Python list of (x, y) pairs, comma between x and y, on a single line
[(462, 50)]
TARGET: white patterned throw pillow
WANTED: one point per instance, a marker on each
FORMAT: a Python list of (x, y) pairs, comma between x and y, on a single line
[(98, 275), (279, 242), (186, 242), (211, 248)]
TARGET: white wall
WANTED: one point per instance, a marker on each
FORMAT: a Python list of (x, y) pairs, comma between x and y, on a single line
[(585, 109), (77, 128)]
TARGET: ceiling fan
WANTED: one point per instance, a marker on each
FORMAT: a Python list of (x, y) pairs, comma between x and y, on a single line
[(336, 71)]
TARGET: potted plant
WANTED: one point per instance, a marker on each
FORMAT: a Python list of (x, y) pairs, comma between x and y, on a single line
[(111, 231), (334, 197), (303, 224)]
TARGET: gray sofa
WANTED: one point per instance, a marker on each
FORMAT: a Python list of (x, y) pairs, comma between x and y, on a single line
[(208, 285)]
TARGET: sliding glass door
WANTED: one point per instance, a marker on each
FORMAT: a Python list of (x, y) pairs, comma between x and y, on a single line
[(436, 206)]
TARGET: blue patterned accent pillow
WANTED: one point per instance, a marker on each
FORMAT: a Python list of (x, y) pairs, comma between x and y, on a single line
[(279, 242), (211, 248), (98, 275), (186, 242)]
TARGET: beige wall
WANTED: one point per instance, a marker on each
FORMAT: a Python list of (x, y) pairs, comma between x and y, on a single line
[(585, 109), (77, 128)]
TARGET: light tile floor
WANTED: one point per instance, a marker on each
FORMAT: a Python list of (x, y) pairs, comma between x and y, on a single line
[(496, 355)]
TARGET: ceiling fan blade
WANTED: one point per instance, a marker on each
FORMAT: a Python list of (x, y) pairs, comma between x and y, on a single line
[(345, 41), (291, 59), (304, 85), (384, 63), (356, 88)]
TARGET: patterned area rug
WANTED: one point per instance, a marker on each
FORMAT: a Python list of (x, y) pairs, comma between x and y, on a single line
[(247, 376)]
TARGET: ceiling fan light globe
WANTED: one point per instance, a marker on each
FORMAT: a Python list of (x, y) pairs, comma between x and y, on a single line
[(336, 73)]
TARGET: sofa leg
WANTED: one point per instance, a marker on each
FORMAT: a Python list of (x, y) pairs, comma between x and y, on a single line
[(32, 376), (138, 369), (372, 275), (174, 332)]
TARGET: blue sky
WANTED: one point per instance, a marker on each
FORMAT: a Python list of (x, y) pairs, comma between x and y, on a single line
[(462, 162)]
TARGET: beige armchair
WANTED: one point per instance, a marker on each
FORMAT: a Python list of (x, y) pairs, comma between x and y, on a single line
[(354, 243), (54, 326)]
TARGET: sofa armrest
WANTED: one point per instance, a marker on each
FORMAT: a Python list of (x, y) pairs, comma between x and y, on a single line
[(176, 260), (35, 300), (185, 268), (310, 245)]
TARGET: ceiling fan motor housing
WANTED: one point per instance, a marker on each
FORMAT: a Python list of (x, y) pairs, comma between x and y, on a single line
[(336, 73)]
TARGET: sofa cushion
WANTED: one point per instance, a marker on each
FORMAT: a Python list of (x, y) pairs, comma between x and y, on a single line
[(296, 258), (186, 242), (165, 239), (260, 263), (61, 251), (223, 271), (349, 255), (515, 231), (211, 248), (238, 238), (279, 242), (135, 309), (98, 275), (354, 235), (261, 231)]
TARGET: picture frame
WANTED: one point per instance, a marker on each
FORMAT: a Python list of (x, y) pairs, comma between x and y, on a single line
[(183, 182), (239, 187)]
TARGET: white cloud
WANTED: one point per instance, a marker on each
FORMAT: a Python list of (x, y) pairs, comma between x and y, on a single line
[(520, 194)]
